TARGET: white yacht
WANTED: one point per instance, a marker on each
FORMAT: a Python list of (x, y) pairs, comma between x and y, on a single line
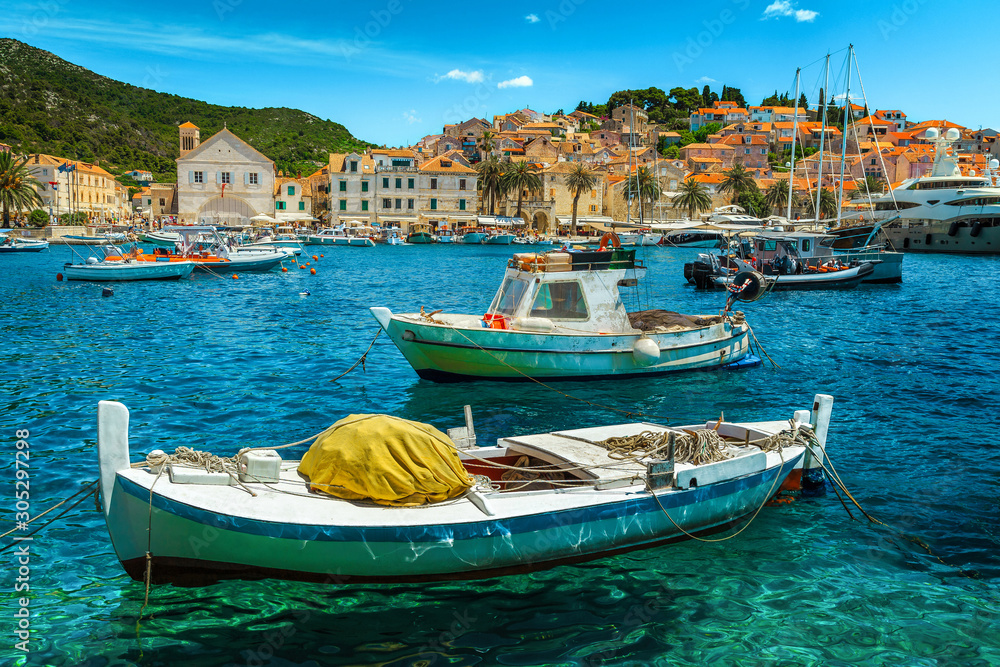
[(941, 212)]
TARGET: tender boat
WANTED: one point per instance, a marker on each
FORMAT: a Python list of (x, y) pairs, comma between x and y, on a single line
[(284, 237), (119, 266), (202, 245), (795, 260), (530, 502), (11, 243), (560, 315), (359, 237), (499, 237)]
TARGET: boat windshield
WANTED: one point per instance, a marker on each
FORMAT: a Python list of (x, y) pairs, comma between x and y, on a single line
[(509, 297)]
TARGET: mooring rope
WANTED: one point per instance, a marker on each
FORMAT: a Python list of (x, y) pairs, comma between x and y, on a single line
[(362, 359)]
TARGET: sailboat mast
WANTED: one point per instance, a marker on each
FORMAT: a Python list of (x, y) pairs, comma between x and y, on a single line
[(843, 140), (822, 137), (795, 132)]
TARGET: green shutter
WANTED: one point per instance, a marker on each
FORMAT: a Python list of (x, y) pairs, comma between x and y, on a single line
[(343, 204), (364, 205), (434, 204), (291, 190), (385, 183), (343, 186), (409, 183), (461, 204), (302, 205), (364, 186)]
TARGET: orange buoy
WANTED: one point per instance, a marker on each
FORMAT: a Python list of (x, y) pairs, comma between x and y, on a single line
[(284, 270), (315, 258), (59, 277), (307, 263), (312, 271), (322, 255), (301, 266), (235, 277)]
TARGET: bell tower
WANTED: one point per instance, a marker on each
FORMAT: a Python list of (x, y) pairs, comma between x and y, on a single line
[(190, 137)]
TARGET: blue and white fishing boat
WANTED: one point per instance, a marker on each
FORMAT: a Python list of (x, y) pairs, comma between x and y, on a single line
[(528, 503), (160, 238), (472, 235), (12, 243), (560, 316)]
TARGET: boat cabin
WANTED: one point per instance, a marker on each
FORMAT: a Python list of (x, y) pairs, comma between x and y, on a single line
[(788, 253), (577, 290)]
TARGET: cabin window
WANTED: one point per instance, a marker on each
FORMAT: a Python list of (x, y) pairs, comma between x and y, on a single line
[(509, 297), (806, 245), (560, 301)]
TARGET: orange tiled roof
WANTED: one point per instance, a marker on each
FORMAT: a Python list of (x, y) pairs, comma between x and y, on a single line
[(190, 125)]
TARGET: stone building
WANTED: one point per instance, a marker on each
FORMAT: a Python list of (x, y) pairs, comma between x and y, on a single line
[(223, 180), (78, 186)]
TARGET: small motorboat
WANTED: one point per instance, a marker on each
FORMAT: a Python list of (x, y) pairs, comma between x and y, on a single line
[(472, 235), (11, 243), (119, 266), (455, 510), (202, 245), (420, 234), (560, 315), (98, 239), (344, 235)]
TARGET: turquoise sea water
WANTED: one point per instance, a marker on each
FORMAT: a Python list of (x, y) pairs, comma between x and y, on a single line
[(221, 364)]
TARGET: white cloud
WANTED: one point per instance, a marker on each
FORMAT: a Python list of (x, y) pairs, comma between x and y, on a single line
[(532, 18), (411, 117), (706, 79), (519, 82), (475, 76), (780, 8)]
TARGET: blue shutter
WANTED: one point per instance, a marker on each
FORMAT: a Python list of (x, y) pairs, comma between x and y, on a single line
[(190, 177), (218, 177), (246, 178)]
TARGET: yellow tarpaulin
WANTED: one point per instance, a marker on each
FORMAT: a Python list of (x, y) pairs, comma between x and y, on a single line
[(388, 460)]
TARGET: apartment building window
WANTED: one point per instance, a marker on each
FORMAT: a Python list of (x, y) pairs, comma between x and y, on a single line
[(593, 207), (197, 177), (746, 151), (364, 186), (279, 206), (461, 204), (354, 166), (434, 204), (252, 179), (224, 177), (409, 184), (343, 204), (399, 203), (409, 204), (763, 151), (386, 203), (343, 186), (385, 183), (399, 183), (461, 184), (291, 190), (434, 184), (302, 206), (163, 202), (364, 206)]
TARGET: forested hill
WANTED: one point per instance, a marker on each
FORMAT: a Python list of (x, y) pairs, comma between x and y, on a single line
[(52, 106)]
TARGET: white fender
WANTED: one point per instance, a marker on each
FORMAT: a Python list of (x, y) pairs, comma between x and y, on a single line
[(646, 351)]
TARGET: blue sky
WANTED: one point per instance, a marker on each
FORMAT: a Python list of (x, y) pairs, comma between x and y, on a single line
[(393, 71)]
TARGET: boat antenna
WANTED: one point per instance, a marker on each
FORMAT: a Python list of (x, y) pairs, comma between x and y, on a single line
[(822, 136), (795, 131), (843, 140)]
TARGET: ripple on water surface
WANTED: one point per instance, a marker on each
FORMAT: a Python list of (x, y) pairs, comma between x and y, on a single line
[(220, 364)]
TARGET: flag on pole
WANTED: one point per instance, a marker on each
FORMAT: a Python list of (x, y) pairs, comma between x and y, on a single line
[(223, 190)]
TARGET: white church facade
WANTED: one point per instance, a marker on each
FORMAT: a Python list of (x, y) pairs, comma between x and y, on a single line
[(223, 181)]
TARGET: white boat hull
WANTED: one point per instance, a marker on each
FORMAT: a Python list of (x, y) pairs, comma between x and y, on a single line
[(355, 241), (122, 271), (462, 349), (196, 533)]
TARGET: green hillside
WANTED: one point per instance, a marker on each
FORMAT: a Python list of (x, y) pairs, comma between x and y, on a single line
[(48, 105)]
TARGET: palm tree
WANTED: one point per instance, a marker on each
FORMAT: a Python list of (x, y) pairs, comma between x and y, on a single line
[(643, 186), (486, 144), (694, 197), (737, 180), (521, 176), (777, 196), (874, 184), (17, 185), (490, 181), (579, 180), (827, 204)]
